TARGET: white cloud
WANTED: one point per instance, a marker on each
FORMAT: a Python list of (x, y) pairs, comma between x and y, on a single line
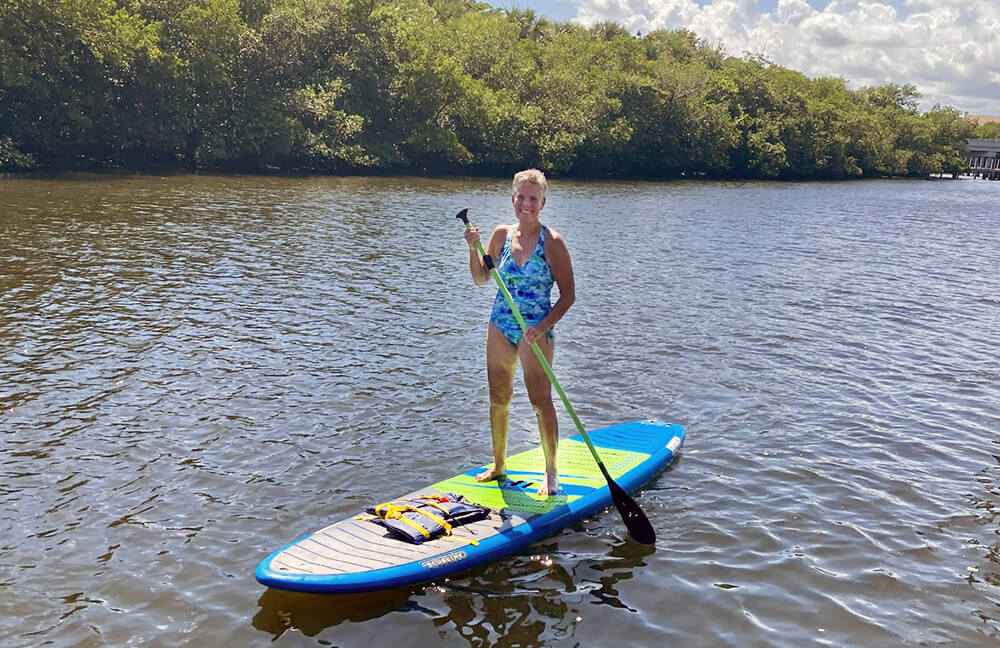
[(949, 49)]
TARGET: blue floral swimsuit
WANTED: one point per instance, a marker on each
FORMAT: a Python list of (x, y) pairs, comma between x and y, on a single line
[(531, 287)]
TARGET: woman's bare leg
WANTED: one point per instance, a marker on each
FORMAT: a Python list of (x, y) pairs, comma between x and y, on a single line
[(540, 394), (501, 358)]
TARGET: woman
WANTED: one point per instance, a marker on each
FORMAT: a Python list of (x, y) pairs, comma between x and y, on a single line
[(531, 257)]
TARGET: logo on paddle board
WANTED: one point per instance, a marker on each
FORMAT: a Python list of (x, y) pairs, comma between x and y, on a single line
[(447, 559)]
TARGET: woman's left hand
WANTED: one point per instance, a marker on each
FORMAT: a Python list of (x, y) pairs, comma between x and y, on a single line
[(533, 334)]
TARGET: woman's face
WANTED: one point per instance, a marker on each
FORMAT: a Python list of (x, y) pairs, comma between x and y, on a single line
[(528, 199)]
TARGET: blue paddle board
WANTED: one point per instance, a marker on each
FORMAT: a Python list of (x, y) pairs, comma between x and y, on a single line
[(359, 555)]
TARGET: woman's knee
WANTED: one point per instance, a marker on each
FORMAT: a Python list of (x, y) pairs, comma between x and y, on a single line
[(501, 394), (541, 402)]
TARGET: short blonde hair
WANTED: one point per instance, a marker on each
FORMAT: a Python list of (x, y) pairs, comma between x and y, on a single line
[(533, 176)]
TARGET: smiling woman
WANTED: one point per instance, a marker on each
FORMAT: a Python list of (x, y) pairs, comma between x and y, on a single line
[(531, 259)]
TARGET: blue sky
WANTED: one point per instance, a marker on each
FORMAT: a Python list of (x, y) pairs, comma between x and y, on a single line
[(949, 49)]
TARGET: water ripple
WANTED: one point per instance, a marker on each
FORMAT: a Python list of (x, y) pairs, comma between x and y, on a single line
[(195, 370)]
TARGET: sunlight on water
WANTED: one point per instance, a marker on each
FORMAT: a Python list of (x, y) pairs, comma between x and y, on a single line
[(195, 371)]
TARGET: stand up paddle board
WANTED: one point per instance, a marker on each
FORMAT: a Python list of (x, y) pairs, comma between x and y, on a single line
[(360, 554)]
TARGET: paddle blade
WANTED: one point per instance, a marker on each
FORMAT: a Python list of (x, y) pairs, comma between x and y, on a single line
[(635, 520)]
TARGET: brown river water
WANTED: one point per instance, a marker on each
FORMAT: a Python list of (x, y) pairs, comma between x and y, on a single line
[(197, 370)]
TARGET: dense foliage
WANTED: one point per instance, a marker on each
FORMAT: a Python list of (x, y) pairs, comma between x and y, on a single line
[(428, 86), (989, 130)]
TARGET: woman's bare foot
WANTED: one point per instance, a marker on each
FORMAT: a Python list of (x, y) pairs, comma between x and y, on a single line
[(550, 487), (490, 474)]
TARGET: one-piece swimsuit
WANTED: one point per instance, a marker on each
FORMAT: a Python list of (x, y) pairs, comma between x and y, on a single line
[(530, 285)]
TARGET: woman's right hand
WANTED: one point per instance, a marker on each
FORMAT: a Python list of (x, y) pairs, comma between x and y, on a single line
[(471, 236)]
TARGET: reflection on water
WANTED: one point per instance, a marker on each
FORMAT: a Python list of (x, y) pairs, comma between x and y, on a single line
[(528, 600), (197, 370), (312, 613), (984, 570)]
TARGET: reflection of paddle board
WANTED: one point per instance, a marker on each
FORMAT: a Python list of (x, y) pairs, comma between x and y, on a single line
[(357, 555)]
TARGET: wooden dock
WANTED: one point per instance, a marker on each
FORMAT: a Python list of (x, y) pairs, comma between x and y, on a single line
[(987, 168)]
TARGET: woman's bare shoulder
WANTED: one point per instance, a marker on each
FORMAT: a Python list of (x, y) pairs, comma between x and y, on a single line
[(554, 238)]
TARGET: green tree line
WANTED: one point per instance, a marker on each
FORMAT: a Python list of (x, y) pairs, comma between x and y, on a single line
[(988, 130), (429, 86)]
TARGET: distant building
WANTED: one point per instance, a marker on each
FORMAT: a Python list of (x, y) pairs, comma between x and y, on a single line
[(983, 158), (982, 119), (984, 148)]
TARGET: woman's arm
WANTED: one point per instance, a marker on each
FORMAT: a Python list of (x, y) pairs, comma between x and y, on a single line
[(557, 255), (480, 275)]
